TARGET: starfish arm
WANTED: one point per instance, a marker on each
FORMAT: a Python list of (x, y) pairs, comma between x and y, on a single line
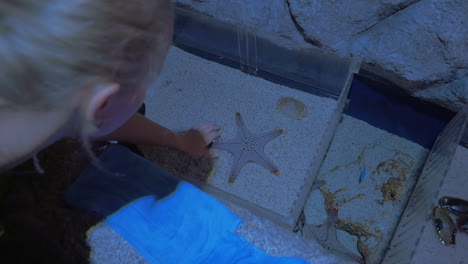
[(264, 138), (339, 249), (326, 236), (262, 159), (239, 161), (346, 253), (248, 147), (317, 184), (232, 147), (242, 131), (319, 232), (331, 222)]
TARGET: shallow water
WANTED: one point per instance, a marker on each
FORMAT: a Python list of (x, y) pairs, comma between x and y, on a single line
[(368, 210)]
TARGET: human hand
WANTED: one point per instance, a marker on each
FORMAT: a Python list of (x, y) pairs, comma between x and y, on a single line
[(196, 140)]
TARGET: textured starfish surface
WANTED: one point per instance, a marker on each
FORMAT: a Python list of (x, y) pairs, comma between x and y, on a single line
[(248, 147), (325, 234)]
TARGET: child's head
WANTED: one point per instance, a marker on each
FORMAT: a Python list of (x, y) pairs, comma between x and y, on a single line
[(75, 67)]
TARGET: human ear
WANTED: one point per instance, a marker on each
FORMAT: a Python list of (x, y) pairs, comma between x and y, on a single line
[(98, 102)]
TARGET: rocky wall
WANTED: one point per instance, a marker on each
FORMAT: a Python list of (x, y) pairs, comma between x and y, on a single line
[(419, 45)]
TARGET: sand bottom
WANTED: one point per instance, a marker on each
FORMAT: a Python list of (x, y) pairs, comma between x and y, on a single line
[(375, 149), (368, 174), (191, 91)]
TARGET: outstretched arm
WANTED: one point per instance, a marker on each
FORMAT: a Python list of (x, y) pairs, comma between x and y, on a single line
[(141, 130)]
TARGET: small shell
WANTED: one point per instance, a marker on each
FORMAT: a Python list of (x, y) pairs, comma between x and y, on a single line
[(291, 108), (444, 225), (462, 224), (455, 205)]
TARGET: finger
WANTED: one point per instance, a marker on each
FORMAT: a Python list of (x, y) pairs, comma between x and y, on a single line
[(215, 127), (211, 126), (208, 154), (213, 155), (209, 132), (211, 136), (207, 128), (201, 127)]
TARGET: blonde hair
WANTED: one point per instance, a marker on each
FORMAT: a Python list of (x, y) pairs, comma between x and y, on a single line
[(49, 48)]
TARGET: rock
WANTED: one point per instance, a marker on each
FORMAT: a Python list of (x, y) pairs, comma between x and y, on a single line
[(417, 45), (451, 96), (331, 23), (269, 19), (420, 45)]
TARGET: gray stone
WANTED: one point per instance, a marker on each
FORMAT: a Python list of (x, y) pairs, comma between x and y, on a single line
[(420, 45), (331, 23), (452, 95), (269, 19)]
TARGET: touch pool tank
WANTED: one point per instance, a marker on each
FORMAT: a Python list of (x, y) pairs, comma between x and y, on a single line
[(313, 72)]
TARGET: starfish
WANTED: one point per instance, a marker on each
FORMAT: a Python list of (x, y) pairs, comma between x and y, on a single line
[(248, 147), (325, 234)]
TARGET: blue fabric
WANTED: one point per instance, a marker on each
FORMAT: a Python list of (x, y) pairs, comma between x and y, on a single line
[(187, 227)]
